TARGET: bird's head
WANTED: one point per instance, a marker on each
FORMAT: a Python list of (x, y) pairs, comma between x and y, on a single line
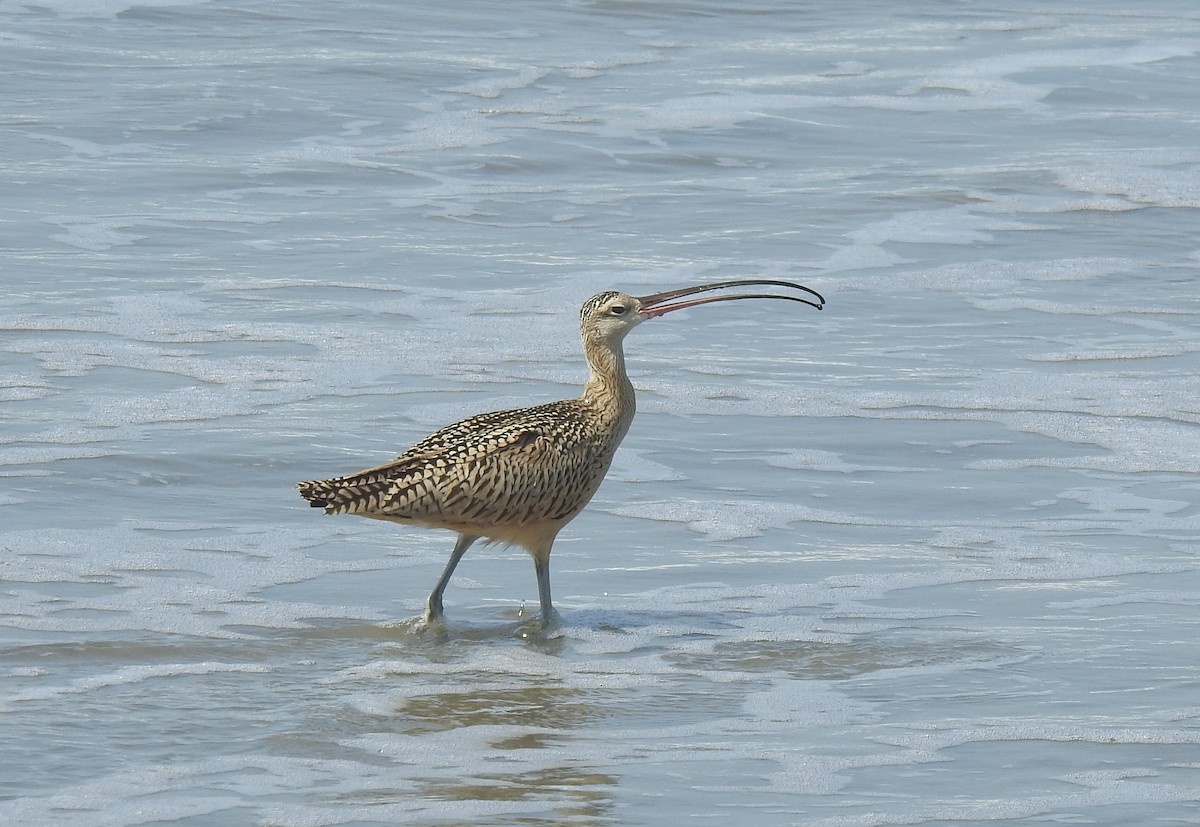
[(608, 316)]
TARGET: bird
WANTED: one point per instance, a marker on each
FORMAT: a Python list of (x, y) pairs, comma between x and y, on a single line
[(518, 476)]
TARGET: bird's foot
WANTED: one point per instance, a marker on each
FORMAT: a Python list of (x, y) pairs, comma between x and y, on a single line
[(433, 608), (540, 628)]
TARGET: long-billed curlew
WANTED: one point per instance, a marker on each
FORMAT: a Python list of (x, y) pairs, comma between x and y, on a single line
[(519, 476)]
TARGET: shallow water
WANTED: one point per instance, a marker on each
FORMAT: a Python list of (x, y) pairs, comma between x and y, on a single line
[(926, 557)]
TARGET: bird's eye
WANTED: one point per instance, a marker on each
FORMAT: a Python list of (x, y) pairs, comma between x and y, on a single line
[(618, 309)]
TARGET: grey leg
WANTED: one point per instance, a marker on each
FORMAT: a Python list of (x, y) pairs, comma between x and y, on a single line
[(433, 607), (541, 564)]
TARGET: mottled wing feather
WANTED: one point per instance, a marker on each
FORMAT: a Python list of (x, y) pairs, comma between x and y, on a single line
[(506, 467)]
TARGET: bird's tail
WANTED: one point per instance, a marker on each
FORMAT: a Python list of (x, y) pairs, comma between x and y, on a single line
[(360, 493)]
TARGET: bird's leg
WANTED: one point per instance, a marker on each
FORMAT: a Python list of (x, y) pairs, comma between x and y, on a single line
[(433, 607), (541, 564)]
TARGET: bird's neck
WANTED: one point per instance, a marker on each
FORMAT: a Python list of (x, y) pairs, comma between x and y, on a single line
[(608, 388)]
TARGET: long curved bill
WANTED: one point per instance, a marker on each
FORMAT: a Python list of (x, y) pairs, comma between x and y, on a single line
[(660, 303)]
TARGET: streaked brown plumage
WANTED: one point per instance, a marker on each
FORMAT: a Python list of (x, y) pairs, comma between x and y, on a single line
[(519, 476)]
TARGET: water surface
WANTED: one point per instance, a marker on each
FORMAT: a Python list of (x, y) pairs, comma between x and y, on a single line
[(926, 557)]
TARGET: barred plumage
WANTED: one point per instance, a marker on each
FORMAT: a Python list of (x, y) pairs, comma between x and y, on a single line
[(519, 467), (518, 476)]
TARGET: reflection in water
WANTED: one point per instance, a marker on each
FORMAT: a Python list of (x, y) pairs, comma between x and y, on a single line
[(576, 795), (554, 707), (533, 714), (586, 793)]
